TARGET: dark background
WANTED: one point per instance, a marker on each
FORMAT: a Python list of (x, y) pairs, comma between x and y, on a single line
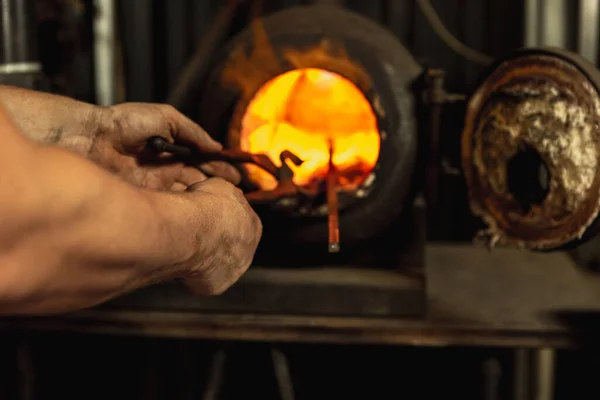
[(157, 37)]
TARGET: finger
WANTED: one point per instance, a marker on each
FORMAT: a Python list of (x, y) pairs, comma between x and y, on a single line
[(187, 131), (178, 187), (223, 170), (134, 123), (190, 175)]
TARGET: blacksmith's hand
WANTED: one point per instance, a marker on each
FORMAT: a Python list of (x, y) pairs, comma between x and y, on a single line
[(120, 146), (115, 137)]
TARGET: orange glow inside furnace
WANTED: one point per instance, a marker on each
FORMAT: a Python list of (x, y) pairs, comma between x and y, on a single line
[(307, 111)]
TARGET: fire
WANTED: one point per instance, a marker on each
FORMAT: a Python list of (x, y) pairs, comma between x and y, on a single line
[(306, 111)]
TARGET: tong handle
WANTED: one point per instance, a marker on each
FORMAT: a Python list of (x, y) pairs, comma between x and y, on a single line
[(159, 144)]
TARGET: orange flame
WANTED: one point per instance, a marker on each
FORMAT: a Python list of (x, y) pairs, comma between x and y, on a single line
[(304, 111)]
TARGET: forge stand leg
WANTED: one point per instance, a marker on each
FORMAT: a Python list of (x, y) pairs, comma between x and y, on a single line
[(534, 374), (281, 369), (492, 374), (26, 370), (215, 378)]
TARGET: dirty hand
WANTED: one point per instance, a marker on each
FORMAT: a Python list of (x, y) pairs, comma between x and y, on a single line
[(120, 146), (115, 137), (228, 239)]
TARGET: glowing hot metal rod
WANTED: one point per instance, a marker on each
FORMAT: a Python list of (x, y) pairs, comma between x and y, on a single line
[(332, 205)]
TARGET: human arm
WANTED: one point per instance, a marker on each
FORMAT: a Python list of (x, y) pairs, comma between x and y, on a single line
[(73, 235), (51, 119), (115, 137)]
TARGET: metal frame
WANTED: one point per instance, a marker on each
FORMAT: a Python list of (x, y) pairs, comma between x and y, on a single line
[(523, 299), (104, 52), (547, 24), (589, 18)]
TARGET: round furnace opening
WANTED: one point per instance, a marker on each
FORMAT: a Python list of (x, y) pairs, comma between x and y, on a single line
[(311, 112)]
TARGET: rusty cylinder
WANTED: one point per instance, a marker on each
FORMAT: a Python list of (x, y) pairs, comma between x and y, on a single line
[(531, 150)]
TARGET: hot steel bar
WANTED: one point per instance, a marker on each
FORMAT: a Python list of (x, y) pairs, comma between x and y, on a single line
[(332, 205)]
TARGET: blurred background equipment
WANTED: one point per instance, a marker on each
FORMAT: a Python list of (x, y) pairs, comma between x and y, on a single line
[(19, 62)]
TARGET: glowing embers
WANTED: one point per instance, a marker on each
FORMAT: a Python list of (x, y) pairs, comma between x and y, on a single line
[(306, 111)]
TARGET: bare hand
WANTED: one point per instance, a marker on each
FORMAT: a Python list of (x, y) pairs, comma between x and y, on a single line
[(228, 240), (121, 143), (115, 137)]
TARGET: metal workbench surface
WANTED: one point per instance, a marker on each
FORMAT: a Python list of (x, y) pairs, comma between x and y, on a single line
[(505, 297)]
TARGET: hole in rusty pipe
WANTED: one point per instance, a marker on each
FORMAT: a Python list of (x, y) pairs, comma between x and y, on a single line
[(528, 177)]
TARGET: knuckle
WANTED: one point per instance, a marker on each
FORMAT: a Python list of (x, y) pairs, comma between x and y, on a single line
[(218, 180), (215, 182), (226, 183)]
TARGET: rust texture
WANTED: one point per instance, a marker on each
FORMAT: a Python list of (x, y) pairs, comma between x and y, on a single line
[(546, 107)]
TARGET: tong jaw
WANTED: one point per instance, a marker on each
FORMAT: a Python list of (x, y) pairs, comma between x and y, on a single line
[(285, 180)]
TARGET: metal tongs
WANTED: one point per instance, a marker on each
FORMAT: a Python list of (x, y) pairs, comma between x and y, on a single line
[(284, 174)]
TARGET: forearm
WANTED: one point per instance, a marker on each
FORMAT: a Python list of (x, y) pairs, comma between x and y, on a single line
[(74, 235), (52, 119)]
